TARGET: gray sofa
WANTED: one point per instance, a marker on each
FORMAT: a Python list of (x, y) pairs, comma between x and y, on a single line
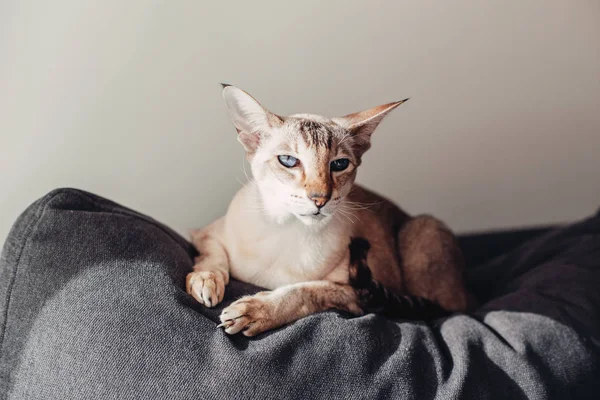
[(92, 306)]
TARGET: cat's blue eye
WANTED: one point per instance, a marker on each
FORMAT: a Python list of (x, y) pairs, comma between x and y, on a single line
[(288, 161), (339, 165)]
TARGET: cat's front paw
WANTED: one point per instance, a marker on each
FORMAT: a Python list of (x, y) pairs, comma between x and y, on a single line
[(251, 315), (207, 287)]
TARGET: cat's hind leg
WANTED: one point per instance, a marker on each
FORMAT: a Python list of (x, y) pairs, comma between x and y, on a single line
[(433, 264)]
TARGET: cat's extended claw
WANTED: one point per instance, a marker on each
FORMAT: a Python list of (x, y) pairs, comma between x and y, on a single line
[(226, 323)]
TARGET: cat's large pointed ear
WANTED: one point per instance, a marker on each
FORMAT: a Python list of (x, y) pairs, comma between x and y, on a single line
[(362, 124), (251, 119)]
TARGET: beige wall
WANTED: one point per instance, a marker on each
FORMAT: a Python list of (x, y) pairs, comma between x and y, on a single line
[(121, 98)]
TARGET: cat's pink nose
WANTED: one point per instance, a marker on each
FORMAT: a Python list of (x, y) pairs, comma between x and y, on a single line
[(319, 199)]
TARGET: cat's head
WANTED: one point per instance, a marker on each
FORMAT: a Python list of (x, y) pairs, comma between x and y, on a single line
[(303, 165)]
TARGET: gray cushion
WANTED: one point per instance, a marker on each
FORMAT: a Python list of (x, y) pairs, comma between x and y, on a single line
[(93, 306)]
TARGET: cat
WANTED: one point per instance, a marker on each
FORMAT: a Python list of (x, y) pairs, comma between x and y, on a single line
[(288, 229)]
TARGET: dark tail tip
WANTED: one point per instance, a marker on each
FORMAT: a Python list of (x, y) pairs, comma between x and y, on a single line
[(224, 85)]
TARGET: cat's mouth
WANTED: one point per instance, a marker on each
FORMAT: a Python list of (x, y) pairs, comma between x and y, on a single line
[(314, 216), (317, 214)]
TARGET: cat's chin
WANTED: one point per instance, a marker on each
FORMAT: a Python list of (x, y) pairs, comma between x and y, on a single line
[(313, 220)]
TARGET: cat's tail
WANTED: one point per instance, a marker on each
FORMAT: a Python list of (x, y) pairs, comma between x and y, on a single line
[(376, 298)]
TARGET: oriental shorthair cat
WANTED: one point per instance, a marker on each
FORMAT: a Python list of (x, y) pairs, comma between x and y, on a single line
[(304, 230)]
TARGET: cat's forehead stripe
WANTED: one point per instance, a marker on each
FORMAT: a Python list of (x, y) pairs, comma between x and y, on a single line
[(323, 137), (315, 133)]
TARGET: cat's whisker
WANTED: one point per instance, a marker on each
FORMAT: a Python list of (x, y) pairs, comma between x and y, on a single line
[(348, 218), (244, 170), (249, 181), (340, 215), (347, 215), (359, 209), (353, 205), (245, 184), (375, 203), (349, 211)]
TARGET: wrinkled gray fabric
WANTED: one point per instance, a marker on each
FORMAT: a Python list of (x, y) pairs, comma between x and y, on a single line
[(93, 307)]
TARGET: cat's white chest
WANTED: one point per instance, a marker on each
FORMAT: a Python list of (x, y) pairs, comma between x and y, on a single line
[(273, 258)]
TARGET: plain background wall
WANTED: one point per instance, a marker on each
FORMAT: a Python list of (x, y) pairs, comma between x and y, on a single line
[(121, 98)]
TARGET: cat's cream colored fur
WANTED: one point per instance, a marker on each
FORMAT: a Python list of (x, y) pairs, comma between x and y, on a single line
[(288, 230)]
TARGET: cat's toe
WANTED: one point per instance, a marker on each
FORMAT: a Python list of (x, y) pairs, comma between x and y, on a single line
[(207, 287), (250, 315)]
